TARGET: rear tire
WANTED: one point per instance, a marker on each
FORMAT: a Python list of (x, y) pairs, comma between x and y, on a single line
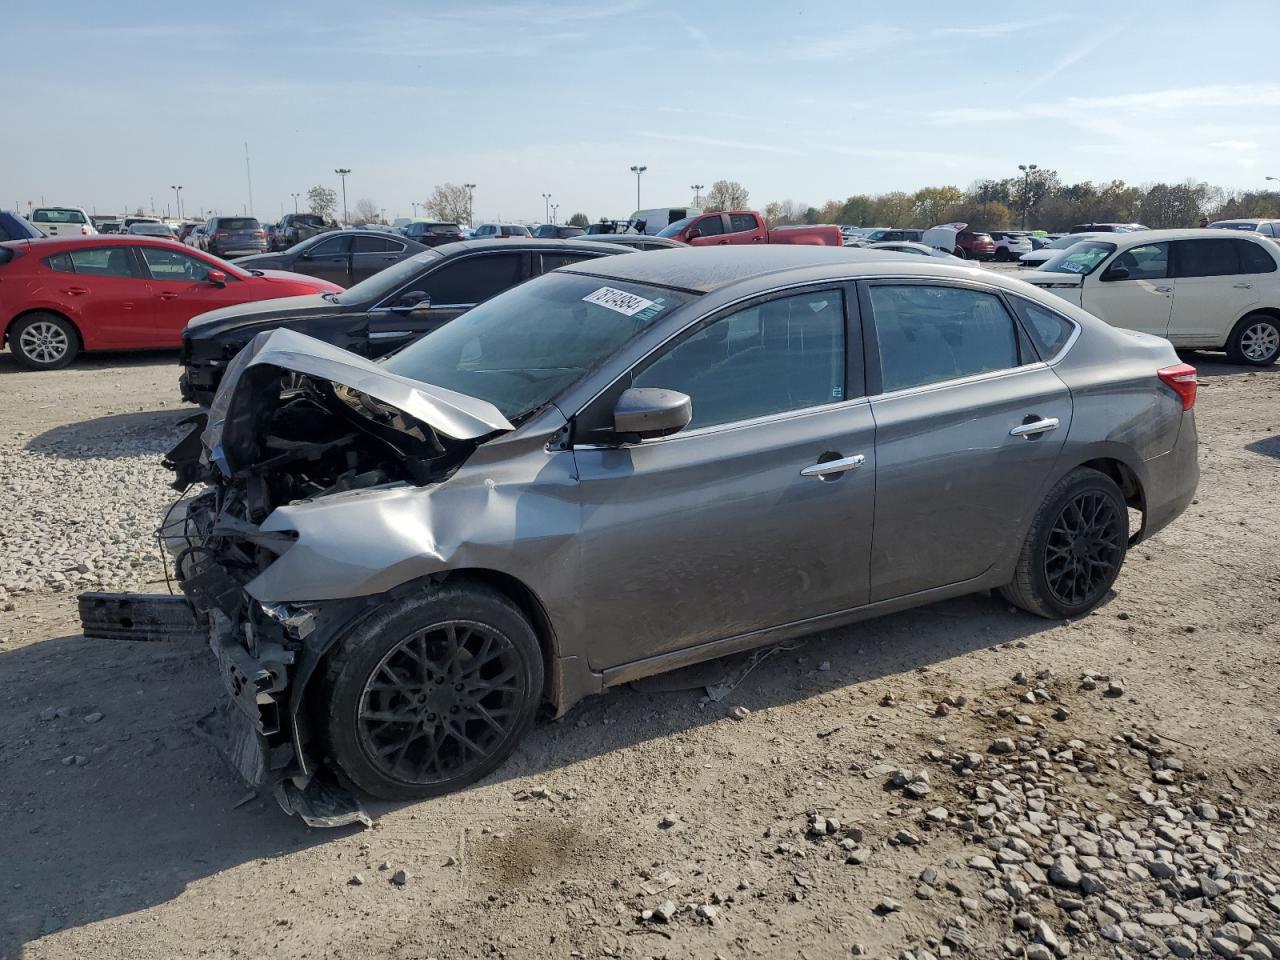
[(1003, 255), (432, 692), (1074, 549), (1255, 341), (961, 253), (44, 341)]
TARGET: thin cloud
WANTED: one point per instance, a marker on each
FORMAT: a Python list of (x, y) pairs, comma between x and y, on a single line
[(869, 39), (716, 142), (1000, 28), (1075, 56), (1238, 145)]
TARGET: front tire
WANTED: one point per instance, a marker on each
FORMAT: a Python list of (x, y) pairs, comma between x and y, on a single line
[(961, 253), (44, 341), (1255, 340), (1074, 549), (432, 692)]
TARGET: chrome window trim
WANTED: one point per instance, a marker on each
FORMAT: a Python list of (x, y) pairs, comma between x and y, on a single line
[(434, 306)]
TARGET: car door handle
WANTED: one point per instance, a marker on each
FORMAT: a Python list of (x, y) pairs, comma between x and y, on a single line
[(1035, 427), (76, 291), (831, 467), (1243, 286), (168, 295), (1164, 289)]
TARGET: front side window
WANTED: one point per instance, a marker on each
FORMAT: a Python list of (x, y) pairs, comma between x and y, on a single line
[(1049, 331), (1148, 262), (523, 347), (175, 265), (94, 262), (1207, 258), (711, 226), (331, 247), (930, 333), (781, 355), (1081, 258), (473, 279)]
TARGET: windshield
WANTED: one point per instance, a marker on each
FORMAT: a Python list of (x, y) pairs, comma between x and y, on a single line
[(387, 281), (1062, 243), (523, 347), (676, 227), (1080, 258)]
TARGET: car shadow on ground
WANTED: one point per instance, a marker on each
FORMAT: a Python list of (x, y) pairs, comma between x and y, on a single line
[(149, 807), (1268, 447), (1209, 365), (117, 435), (95, 361)]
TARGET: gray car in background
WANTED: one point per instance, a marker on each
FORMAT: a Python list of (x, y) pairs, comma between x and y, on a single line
[(636, 463)]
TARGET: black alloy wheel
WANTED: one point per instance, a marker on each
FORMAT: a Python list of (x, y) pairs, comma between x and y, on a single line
[(1085, 549)]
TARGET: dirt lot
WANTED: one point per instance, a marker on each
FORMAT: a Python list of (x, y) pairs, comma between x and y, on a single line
[(122, 834)]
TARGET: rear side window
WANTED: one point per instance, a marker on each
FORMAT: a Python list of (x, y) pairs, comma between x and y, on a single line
[(781, 355), (473, 279), (375, 245), (929, 333), (741, 222), (1048, 331), (95, 262), (1207, 258), (1253, 258), (551, 261)]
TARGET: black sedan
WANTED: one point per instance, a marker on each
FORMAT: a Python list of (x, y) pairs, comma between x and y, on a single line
[(344, 257), (390, 309)]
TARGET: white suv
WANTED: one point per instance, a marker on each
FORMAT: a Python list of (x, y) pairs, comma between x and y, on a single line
[(63, 222), (1011, 244), (1218, 289)]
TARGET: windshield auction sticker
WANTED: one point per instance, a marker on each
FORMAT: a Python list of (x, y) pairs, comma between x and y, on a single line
[(627, 304)]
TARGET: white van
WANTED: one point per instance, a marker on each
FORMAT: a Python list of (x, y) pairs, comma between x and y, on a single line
[(662, 217)]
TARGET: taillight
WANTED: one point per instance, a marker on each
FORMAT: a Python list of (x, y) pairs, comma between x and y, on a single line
[(84, 231), (1181, 379), (262, 234)]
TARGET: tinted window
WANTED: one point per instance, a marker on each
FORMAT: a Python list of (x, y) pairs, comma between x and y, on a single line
[(1048, 330), (331, 247), (174, 265), (238, 223), (375, 245), (98, 262), (473, 279), (1207, 258), (740, 222), (781, 355), (711, 226), (1253, 257), (60, 262), (552, 260), (515, 231), (931, 333), (4, 234), (1148, 262)]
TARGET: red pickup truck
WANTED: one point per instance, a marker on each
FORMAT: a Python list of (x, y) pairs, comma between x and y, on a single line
[(747, 226)]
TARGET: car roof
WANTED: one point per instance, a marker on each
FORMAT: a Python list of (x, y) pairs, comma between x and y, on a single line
[(1248, 220), (99, 240), (527, 243), (1139, 237), (706, 269)]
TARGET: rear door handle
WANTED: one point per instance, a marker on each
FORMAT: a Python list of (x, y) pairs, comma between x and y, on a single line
[(831, 467), (1164, 289), (77, 291), (1243, 286), (1035, 428)]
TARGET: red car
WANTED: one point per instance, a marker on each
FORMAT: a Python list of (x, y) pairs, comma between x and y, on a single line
[(61, 296), (747, 226), (975, 245)]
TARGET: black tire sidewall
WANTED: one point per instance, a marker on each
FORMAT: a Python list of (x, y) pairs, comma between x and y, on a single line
[(1234, 351), (1084, 481), (73, 341), (368, 642)]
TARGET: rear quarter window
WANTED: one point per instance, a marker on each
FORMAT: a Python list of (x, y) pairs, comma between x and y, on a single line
[(1254, 258), (1049, 331)]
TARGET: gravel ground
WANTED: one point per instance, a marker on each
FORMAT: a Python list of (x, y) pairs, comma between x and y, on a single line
[(961, 780)]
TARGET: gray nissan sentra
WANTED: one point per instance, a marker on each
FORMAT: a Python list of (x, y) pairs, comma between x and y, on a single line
[(635, 463)]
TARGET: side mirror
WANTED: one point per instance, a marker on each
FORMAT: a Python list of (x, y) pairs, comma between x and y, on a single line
[(413, 302), (217, 278), (1116, 273), (693, 234), (643, 413)]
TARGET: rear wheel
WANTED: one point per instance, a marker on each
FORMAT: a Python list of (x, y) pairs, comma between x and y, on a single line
[(44, 341), (1255, 340), (433, 692), (1003, 255), (961, 253), (1075, 548)]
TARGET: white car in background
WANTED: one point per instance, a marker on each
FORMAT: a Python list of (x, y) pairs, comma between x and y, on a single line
[(63, 222), (1036, 258), (1266, 227), (915, 249), (1011, 244), (1215, 289)]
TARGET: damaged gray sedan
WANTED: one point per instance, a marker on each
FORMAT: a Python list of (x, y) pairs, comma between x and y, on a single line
[(637, 463)]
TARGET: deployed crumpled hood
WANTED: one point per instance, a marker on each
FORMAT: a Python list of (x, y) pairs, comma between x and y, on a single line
[(454, 415)]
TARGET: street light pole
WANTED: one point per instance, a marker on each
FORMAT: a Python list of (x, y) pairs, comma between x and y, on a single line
[(697, 194), (177, 197), (1027, 169), (555, 213), (295, 201), (637, 170), (342, 172), (546, 203), (471, 214), (414, 207)]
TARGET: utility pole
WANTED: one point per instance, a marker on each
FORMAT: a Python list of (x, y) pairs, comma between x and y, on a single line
[(342, 172), (177, 196), (697, 194), (248, 177), (637, 170), (1027, 169), (471, 215)]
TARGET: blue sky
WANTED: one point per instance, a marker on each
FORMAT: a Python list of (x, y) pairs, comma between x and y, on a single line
[(802, 101)]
